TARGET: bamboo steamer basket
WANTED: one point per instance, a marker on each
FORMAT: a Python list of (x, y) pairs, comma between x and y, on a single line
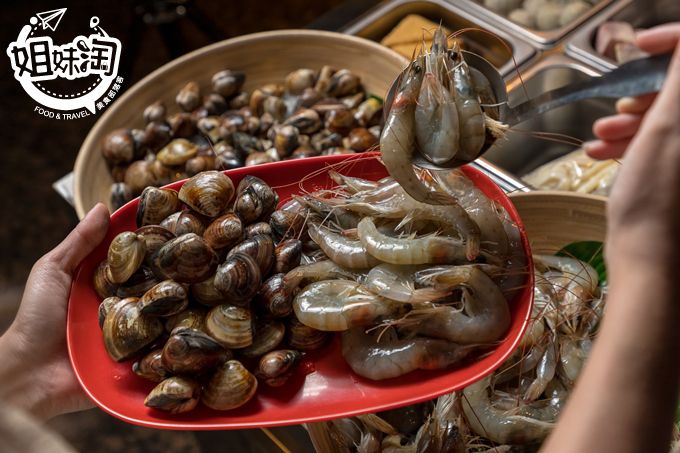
[(264, 57), (554, 219)]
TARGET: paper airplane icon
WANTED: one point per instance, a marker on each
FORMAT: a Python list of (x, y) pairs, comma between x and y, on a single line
[(51, 19)]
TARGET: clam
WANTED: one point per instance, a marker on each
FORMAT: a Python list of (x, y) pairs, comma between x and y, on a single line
[(368, 110), (224, 231), (304, 338), (167, 298), (183, 222), (192, 318), (299, 80), (118, 147), (245, 143), (155, 205), (325, 139), (105, 307), (154, 237), (229, 387), (155, 113), (257, 228), (276, 367), (360, 139), (353, 100), (182, 125), (286, 140), (207, 193), (192, 351), (119, 194), (177, 152), (254, 200), (260, 248), (275, 106), (189, 97), (288, 253), (307, 121), (267, 336), (186, 259), (274, 298), (205, 292), (138, 283), (197, 164), (138, 176), (340, 121), (343, 83), (309, 97), (273, 89), (227, 83), (228, 160), (215, 104), (127, 331), (103, 286), (238, 278), (324, 79), (164, 175), (210, 126), (156, 136), (257, 158), (240, 100), (256, 102), (231, 326), (126, 253), (175, 395), (151, 367)]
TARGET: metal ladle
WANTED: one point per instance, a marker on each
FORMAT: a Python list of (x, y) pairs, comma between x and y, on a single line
[(634, 78)]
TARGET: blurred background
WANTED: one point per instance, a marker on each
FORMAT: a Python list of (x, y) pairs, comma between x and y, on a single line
[(37, 151)]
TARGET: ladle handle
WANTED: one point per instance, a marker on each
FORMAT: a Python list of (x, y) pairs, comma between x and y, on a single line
[(634, 78)]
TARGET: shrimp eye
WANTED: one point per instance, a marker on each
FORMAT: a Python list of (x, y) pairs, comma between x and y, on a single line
[(417, 68), (453, 54)]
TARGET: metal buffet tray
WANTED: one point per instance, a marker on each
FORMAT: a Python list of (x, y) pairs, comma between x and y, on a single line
[(540, 38), (377, 22), (641, 14)]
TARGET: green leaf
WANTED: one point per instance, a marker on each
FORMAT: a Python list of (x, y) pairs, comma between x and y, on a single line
[(377, 97), (592, 252)]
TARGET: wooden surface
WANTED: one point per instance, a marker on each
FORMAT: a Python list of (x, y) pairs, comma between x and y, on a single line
[(554, 219), (265, 58)]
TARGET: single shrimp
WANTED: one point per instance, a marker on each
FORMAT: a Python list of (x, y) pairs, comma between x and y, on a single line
[(423, 250), (572, 358), (391, 357), (397, 283), (470, 114), (342, 250), (317, 271), (398, 137), (545, 372), (336, 215), (351, 183), (495, 424), (338, 305), (485, 318)]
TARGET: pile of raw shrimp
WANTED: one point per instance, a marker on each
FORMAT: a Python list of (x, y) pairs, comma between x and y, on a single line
[(515, 408), (410, 285)]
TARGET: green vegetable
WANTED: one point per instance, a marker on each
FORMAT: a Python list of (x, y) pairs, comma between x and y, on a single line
[(592, 252)]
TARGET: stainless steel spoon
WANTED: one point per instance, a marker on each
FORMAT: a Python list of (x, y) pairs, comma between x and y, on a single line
[(634, 78)]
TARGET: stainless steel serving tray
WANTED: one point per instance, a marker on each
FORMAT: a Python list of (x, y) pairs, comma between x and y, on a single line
[(521, 151), (542, 39), (641, 14), (377, 22)]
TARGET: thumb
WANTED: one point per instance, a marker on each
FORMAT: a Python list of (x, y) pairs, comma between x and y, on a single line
[(82, 240)]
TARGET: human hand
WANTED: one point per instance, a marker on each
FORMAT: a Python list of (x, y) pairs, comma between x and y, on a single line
[(615, 132), (35, 370)]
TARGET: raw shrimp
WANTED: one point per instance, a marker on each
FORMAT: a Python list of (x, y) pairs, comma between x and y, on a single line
[(398, 137), (352, 184), (336, 215), (392, 357), (423, 250), (342, 250), (545, 372), (337, 305), (369, 443), (572, 358), (397, 283), (440, 433), (486, 315), (495, 424), (436, 115), (320, 270)]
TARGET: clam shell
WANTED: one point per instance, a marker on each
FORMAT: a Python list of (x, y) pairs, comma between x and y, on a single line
[(177, 152), (167, 298), (150, 367), (224, 231), (192, 351), (307, 121), (189, 97), (268, 336), (288, 254), (304, 338), (257, 228), (238, 278), (139, 283), (274, 298), (255, 200), (260, 248), (192, 318), (276, 367), (206, 293), (155, 205), (227, 83), (299, 80), (183, 222), (126, 253), (105, 308), (230, 325), (127, 331), (175, 395), (103, 286), (289, 220), (229, 387), (207, 193), (155, 113), (186, 259), (155, 236)]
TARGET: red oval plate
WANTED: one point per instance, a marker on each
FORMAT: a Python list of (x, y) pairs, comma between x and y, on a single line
[(325, 388)]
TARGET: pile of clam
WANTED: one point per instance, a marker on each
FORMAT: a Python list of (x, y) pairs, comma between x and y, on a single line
[(311, 113), (197, 293)]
